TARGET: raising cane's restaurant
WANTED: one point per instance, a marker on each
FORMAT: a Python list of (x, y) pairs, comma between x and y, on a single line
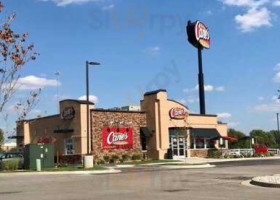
[(160, 129)]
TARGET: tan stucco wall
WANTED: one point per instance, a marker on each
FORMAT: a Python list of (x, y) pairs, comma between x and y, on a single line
[(34, 129), (157, 107)]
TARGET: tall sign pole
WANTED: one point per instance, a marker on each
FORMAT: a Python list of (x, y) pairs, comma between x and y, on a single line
[(277, 116), (199, 37)]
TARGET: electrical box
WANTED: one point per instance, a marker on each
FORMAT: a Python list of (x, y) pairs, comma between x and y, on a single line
[(44, 152)]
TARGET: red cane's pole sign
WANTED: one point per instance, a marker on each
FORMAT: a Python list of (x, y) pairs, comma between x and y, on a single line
[(117, 138), (178, 113), (198, 35)]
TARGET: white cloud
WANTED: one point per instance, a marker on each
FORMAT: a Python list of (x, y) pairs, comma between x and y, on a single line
[(275, 99), (275, 107), (276, 3), (277, 67), (233, 124), (220, 89), (254, 18), (245, 3), (152, 50), (109, 7), (276, 78), (207, 88), (67, 2), (92, 98), (224, 115), (34, 82), (260, 98)]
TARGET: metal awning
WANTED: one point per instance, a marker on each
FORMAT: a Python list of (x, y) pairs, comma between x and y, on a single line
[(63, 131), (15, 137), (204, 133), (145, 131)]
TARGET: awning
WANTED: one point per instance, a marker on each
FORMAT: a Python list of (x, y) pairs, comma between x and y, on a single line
[(204, 132), (231, 139), (63, 131), (15, 137), (145, 131)]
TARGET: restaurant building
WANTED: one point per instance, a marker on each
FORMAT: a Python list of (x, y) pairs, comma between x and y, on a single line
[(160, 129)]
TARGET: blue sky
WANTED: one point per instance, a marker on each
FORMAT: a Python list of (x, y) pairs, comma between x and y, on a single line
[(142, 46)]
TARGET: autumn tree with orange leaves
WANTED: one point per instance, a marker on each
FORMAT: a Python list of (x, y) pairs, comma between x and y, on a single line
[(15, 53)]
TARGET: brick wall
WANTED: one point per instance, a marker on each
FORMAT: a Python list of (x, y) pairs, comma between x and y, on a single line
[(199, 153), (103, 118)]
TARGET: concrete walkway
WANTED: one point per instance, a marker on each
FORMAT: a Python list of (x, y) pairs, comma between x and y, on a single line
[(195, 160), (86, 172)]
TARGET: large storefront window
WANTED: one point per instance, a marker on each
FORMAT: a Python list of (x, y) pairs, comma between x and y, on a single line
[(69, 146), (202, 143)]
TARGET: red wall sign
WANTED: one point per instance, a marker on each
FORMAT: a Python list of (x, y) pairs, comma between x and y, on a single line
[(117, 138)]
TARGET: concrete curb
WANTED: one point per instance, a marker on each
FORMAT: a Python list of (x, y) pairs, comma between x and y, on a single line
[(109, 171), (124, 166), (187, 166), (257, 182), (243, 159)]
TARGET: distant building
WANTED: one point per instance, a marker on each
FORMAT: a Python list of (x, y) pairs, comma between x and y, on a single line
[(9, 146), (131, 108)]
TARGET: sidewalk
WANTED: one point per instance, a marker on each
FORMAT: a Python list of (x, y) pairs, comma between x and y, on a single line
[(196, 160), (89, 172)]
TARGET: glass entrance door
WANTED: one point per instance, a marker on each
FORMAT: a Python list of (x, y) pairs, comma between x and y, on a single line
[(178, 145)]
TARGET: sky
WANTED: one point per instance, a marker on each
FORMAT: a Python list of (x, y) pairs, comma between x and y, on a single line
[(142, 46)]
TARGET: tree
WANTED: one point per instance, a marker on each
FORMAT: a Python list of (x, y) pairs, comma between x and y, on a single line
[(241, 144), (1, 137), (264, 138), (15, 53), (276, 135)]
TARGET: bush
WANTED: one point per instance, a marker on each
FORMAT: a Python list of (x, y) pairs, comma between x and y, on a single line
[(115, 158), (136, 157), (11, 164), (106, 159), (214, 154), (125, 157), (101, 162)]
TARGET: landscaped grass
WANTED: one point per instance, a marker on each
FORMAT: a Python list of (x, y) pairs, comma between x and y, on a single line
[(58, 169), (147, 162), (72, 168)]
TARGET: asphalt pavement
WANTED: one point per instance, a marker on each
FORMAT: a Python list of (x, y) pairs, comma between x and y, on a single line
[(221, 182)]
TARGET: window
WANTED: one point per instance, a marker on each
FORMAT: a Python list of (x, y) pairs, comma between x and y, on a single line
[(69, 146)]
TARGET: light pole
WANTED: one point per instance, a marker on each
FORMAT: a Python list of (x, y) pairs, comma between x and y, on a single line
[(277, 116), (88, 63)]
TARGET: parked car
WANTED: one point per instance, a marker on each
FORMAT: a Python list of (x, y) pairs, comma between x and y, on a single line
[(12, 156)]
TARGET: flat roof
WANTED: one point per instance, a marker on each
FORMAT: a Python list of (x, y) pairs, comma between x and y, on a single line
[(112, 110), (78, 101)]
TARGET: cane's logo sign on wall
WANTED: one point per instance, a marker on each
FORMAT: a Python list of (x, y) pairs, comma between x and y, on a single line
[(202, 34), (178, 113), (117, 138), (68, 113)]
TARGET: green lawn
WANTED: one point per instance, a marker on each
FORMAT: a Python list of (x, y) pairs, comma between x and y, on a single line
[(147, 162)]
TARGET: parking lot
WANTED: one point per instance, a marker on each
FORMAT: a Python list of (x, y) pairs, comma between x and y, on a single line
[(221, 182)]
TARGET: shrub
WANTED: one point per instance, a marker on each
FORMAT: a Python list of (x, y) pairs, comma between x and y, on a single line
[(136, 157), (125, 157), (114, 158), (106, 159), (11, 164), (101, 162), (214, 154)]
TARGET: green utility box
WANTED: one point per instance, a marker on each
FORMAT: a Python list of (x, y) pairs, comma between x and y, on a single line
[(43, 152)]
